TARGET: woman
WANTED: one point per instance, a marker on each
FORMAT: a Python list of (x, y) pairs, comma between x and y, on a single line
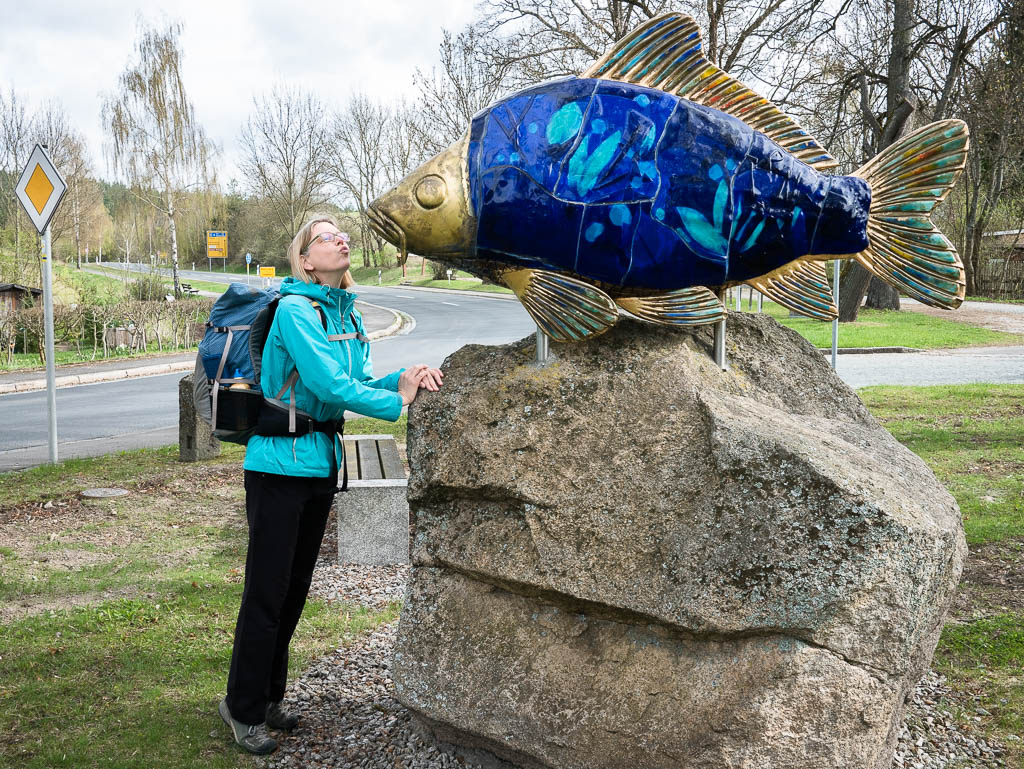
[(290, 482)]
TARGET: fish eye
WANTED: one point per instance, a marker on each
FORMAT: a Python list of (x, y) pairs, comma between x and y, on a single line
[(431, 191)]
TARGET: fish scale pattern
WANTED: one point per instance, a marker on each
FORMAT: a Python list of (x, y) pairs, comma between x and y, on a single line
[(639, 188)]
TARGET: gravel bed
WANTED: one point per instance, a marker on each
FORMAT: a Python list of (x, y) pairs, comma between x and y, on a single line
[(350, 719)]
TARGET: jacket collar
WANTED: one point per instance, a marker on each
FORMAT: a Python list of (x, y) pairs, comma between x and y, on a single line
[(337, 298)]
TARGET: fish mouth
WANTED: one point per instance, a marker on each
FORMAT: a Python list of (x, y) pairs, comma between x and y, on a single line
[(388, 229)]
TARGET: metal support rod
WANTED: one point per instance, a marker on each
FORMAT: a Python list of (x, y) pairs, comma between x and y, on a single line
[(720, 345), (719, 348), (760, 300), (542, 346), (835, 323), (739, 298), (51, 370)]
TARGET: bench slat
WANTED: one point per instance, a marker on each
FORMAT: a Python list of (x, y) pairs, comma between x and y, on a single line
[(369, 461), (352, 460), (390, 461)]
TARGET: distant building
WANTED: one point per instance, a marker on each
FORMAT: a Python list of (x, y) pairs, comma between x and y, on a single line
[(12, 295), (1006, 239)]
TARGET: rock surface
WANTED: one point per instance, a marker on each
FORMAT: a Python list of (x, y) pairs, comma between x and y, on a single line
[(196, 440), (629, 557)]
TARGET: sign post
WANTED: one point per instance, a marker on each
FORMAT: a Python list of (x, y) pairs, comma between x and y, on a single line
[(248, 261), (40, 190)]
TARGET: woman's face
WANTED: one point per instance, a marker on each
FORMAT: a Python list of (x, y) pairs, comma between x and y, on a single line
[(327, 257)]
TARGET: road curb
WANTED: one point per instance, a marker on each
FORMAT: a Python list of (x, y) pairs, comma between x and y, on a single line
[(455, 291), (97, 376), (869, 350), (402, 324)]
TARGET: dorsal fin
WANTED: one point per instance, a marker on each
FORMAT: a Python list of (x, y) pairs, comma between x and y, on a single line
[(666, 52), (800, 286)]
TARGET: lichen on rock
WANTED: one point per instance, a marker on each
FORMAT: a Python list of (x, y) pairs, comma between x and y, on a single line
[(626, 556)]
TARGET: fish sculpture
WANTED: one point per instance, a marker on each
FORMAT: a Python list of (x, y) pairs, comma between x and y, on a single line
[(655, 181)]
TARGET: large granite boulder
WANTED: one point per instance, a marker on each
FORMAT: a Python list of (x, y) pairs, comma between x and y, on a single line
[(628, 557)]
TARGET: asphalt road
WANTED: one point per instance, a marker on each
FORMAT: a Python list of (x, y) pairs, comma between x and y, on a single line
[(134, 413), (97, 419)]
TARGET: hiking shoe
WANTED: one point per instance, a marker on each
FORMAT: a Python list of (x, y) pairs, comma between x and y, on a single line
[(279, 718), (253, 738)]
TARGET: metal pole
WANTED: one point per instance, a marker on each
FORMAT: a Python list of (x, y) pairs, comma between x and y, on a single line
[(542, 346), (720, 345), (739, 298), (760, 300), (51, 370), (719, 348), (835, 323)]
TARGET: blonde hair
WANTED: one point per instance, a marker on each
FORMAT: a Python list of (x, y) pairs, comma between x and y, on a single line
[(300, 243)]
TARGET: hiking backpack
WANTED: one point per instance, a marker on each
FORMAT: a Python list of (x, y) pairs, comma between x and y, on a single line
[(226, 383)]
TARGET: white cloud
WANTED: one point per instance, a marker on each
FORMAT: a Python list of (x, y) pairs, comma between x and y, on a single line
[(74, 53)]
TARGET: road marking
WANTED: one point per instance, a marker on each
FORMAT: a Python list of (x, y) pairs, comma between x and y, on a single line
[(405, 296), (450, 303)]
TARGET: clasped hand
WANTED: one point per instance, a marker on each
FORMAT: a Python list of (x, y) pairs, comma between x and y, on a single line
[(416, 377)]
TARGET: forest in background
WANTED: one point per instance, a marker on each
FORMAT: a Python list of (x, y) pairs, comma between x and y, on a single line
[(857, 74)]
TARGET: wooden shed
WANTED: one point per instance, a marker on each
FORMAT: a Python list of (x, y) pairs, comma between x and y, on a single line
[(13, 295)]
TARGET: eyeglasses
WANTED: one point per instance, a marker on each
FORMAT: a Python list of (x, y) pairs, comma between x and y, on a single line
[(328, 237)]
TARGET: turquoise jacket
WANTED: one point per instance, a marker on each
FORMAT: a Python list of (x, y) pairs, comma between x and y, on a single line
[(333, 377)]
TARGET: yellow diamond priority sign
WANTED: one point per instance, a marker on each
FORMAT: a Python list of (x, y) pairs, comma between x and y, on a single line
[(40, 188)]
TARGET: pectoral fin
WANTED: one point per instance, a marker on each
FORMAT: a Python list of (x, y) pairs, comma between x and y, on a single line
[(801, 287), (566, 309), (694, 306)]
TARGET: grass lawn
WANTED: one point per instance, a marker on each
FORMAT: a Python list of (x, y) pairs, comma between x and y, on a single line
[(990, 299), (367, 276), (882, 328), (117, 615), (28, 361), (972, 437)]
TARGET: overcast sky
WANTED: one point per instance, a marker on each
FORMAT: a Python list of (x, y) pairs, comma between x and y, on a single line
[(74, 53)]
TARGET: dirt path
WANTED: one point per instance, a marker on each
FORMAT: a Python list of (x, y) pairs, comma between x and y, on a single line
[(993, 317)]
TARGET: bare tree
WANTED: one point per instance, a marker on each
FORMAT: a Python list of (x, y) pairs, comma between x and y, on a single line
[(15, 146), (767, 43), (66, 148), (470, 78), (126, 232), (896, 65), (156, 141), (8, 334), (995, 113), (358, 163), (285, 155)]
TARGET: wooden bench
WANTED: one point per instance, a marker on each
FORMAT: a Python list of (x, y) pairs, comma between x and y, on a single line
[(187, 290), (373, 515)]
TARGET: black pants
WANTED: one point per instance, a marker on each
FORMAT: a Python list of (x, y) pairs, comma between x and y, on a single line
[(287, 516)]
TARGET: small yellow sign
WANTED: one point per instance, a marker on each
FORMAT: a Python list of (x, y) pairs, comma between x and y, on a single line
[(268, 272)]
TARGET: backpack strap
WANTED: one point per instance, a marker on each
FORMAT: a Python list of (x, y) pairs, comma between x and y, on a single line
[(339, 337), (289, 383)]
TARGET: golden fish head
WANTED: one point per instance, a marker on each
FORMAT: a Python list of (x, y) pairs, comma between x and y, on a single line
[(428, 212)]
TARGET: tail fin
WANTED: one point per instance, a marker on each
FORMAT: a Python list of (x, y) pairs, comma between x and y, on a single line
[(907, 181)]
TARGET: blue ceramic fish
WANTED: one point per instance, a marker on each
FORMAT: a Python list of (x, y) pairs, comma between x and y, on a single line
[(655, 180)]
